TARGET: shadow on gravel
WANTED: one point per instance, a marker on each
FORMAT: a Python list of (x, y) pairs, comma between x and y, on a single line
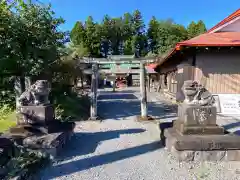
[(120, 109), (231, 126), (86, 143), (119, 92), (87, 163), (116, 95), (162, 127), (237, 132)]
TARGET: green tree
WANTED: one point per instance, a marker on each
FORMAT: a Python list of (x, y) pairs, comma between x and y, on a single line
[(105, 36), (201, 27), (77, 51), (127, 34), (78, 46), (78, 34), (192, 30), (117, 36), (93, 39), (153, 35), (30, 40), (139, 41), (169, 34), (195, 29)]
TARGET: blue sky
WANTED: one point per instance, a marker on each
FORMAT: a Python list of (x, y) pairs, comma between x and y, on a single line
[(181, 11)]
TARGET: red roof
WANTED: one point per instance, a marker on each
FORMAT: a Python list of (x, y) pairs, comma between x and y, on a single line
[(152, 66), (214, 39), (226, 20), (209, 39)]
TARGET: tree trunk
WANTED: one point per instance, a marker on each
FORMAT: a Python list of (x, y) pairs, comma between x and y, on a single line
[(19, 87)]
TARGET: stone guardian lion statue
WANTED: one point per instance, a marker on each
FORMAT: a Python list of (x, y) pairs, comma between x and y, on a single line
[(196, 94), (37, 94)]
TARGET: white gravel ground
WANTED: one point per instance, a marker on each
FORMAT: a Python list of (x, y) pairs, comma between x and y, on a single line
[(120, 148)]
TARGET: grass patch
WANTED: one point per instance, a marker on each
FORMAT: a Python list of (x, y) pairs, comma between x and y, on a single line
[(5, 125), (7, 118)]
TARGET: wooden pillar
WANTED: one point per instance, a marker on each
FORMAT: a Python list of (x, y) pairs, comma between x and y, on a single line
[(149, 82), (159, 83), (170, 83), (93, 113), (143, 91), (114, 83), (96, 90), (184, 72)]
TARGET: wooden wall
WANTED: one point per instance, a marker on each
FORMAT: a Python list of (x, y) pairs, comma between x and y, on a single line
[(219, 72)]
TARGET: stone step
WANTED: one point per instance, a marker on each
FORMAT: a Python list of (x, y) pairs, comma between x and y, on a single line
[(201, 142), (197, 130)]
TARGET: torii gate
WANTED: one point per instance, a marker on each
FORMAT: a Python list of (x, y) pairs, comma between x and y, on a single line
[(94, 86)]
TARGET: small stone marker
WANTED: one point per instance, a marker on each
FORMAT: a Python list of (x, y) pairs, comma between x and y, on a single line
[(195, 134)]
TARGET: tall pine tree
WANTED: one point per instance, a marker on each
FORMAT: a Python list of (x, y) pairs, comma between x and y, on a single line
[(78, 33), (93, 38), (139, 42), (195, 29), (105, 36), (127, 34), (153, 35)]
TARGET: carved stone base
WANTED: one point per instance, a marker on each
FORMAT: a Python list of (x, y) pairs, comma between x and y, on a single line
[(202, 147), (20, 132), (51, 143), (35, 114), (197, 129), (197, 115), (53, 127), (224, 155)]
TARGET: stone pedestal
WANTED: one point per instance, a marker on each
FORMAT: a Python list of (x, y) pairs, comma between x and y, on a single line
[(37, 129), (50, 143), (35, 115), (193, 114), (196, 136), (195, 119), (202, 147)]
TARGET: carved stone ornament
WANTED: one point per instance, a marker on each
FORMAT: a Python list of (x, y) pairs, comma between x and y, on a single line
[(196, 94), (36, 95)]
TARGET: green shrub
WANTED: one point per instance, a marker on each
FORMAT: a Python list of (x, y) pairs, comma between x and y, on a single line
[(7, 94), (26, 163), (69, 106), (7, 118)]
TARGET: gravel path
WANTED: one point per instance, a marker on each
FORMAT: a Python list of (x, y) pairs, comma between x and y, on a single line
[(120, 148)]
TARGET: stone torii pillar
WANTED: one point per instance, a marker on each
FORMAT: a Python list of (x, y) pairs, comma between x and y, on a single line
[(114, 83), (94, 87), (143, 91)]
